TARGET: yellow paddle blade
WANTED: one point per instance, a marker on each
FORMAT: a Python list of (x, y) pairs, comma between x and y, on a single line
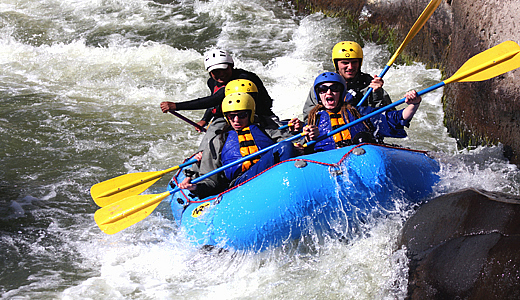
[(425, 15), (115, 189), (125, 213), (502, 58)]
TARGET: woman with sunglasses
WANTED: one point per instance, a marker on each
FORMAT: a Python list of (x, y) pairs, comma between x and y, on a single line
[(333, 111), (241, 137)]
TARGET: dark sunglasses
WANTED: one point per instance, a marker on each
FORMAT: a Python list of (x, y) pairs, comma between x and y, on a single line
[(240, 115), (322, 89)]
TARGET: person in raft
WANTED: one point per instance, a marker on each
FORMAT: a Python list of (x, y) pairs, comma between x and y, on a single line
[(241, 137), (239, 86), (249, 87), (220, 66), (332, 111), (347, 57)]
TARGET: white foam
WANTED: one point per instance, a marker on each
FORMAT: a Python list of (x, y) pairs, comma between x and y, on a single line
[(99, 103)]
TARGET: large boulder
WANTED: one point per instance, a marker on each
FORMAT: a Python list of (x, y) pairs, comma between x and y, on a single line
[(464, 245)]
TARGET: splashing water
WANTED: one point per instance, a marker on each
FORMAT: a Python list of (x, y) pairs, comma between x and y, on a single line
[(80, 87)]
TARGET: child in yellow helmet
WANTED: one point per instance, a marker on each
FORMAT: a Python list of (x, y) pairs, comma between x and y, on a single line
[(241, 137)]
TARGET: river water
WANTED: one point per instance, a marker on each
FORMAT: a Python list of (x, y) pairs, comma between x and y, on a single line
[(80, 87)]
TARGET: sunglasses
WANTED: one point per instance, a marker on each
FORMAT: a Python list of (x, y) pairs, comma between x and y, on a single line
[(240, 115), (335, 88)]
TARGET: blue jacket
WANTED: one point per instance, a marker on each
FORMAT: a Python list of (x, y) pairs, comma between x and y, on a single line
[(387, 124)]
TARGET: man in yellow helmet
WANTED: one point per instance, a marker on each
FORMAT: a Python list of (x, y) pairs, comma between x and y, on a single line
[(241, 137), (347, 57)]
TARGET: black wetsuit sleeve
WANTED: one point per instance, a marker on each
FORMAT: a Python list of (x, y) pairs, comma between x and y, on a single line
[(202, 103)]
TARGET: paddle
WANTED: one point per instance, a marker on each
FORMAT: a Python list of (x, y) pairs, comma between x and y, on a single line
[(188, 121), (126, 212), (425, 15), (115, 189), (485, 65)]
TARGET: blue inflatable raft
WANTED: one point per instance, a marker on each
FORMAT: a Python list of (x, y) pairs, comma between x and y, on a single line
[(328, 192)]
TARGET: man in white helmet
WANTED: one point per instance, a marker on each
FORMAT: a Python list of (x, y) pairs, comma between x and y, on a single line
[(347, 58), (220, 66)]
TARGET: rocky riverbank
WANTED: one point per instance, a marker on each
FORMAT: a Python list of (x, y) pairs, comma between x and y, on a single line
[(476, 113)]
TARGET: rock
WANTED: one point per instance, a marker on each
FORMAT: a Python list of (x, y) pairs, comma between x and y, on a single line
[(464, 245), (485, 112)]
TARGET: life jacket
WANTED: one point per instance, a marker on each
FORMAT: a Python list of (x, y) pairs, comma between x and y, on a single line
[(240, 144), (327, 122), (247, 146), (336, 121), (216, 88), (216, 110)]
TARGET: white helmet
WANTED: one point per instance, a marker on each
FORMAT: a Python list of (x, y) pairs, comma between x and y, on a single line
[(217, 59)]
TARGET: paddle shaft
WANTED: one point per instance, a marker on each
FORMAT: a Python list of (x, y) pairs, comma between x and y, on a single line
[(370, 89), (178, 115), (285, 126), (425, 15)]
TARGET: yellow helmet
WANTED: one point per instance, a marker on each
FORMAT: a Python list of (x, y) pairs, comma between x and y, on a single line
[(346, 50), (238, 102), (240, 85)]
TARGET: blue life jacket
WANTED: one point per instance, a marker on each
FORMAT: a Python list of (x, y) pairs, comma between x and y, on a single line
[(231, 150)]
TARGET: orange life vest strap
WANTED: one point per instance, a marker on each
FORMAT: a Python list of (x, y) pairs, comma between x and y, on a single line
[(336, 121), (247, 146)]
